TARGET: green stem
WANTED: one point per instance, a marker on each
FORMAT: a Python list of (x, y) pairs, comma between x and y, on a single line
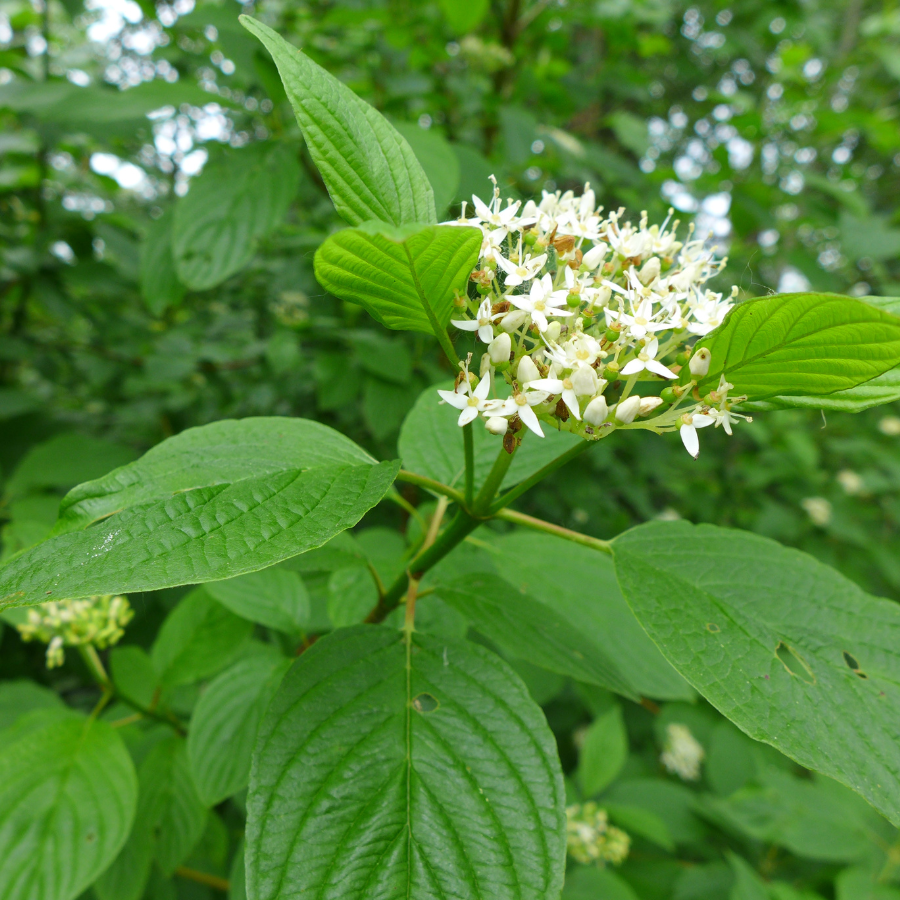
[(481, 505), (528, 483), (429, 484), (517, 518), (469, 450)]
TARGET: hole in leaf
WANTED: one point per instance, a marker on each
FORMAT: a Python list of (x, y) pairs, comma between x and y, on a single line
[(853, 665), (712, 628), (794, 663), (425, 703)]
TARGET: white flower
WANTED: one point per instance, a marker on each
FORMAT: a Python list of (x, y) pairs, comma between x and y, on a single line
[(627, 410), (596, 411), (646, 359), (519, 273), (471, 403), (682, 752), (493, 215), (513, 319), (642, 318), (563, 386), (496, 425), (499, 349), (523, 401), (699, 363), (689, 425), (541, 302), (482, 323), (594, 256), (648, 404)]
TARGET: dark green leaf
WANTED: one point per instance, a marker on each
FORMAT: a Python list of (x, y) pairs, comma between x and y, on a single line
[(219, 453), (352, 595), (603, 752), (369, 169), (229, 207), (791, 651), (160, 286), (275, 598), (801, 344), (225, 721), (68, 794), (404, 277), (528, 629), (198, 638), (22, 696), (593, 883), (438, 160), (383, 770)]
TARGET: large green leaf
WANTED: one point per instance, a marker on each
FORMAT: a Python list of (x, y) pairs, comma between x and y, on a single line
[(275, 598), (790, 650), (440, 163), (431, 444), (599, 612), (199, 535), (801, 345), (528, 629), (404, 277), (369, 169), (197, 639), (388, 770), (225, 721), (234, 202), (883, 389), (68, 794), (219, 453)]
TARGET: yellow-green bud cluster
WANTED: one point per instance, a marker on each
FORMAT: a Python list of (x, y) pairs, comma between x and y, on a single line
[(591, 839), (98, 620)]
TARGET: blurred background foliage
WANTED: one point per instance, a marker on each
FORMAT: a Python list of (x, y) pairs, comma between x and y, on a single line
[(158, 219)]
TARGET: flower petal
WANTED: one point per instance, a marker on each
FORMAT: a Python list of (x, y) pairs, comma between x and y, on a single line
[(636, 365), (690, 440), (655, 366), (530, 420)]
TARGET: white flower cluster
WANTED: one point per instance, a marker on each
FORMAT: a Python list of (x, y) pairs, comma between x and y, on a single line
[(591, 839), (682, 753), (575, 309), (98, 620)]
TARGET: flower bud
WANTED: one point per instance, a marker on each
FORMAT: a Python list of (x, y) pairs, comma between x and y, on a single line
[(527, 370), (594, 256), (650, 270), (597, 411), (648, 404), (553, 330), (496, 425), (699, 364), (499, 348), (584, 381), (628, 409), (513, 319)]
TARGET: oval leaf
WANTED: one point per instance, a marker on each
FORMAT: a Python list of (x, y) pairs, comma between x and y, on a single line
[(392, 770), (405, 278), (236, 201), (68, 794), (801, 344), (790, 650), (275, 598), (219, 453), (201, 535), (225, 721), (369, 169)]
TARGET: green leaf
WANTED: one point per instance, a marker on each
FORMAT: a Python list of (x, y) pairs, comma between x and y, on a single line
[(640, 822), (674, 804), (226, 720), (438, 160), (598, 613), (883, 389), (603, 752), (593, 883), (369, 169), (861, 884), (463, 17), (747, 884), (160, 286), (787, 648), (200, 535), (800, 344), (170, 809), (404, 278), (219, 453), (352, 595), (197, 639), (275, 598), (68, 794), (431, 444), (526, 628), (420, 771), (235, 201), (22, 696), (133, 673)]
